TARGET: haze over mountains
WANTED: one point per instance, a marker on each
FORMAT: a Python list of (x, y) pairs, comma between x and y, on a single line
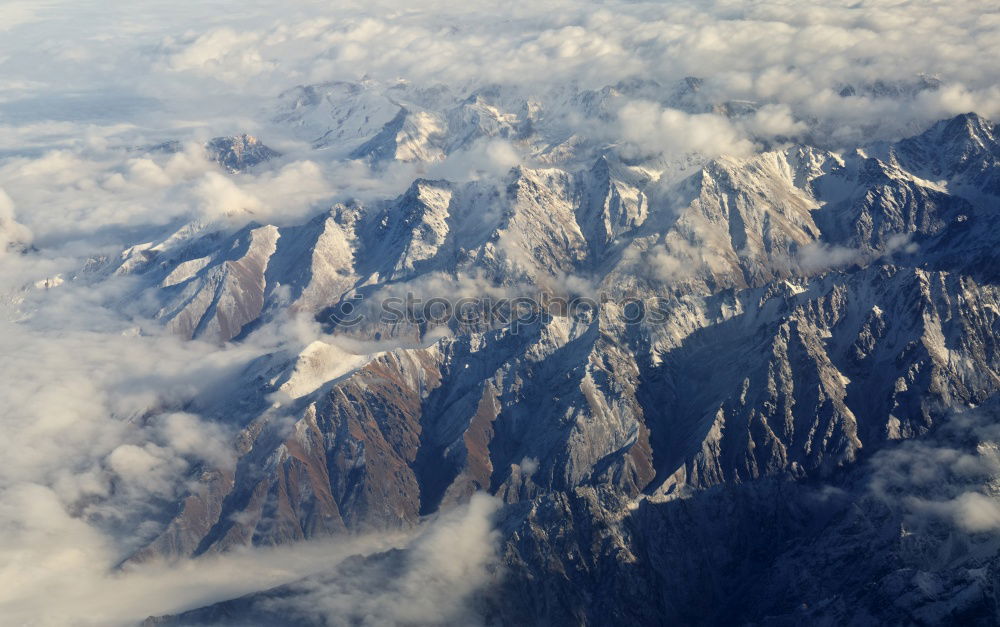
[(777, 407)]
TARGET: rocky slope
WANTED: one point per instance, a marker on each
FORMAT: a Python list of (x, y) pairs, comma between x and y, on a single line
[(806, 312)]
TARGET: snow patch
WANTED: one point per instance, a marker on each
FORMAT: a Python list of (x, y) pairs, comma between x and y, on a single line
[(319, 363)]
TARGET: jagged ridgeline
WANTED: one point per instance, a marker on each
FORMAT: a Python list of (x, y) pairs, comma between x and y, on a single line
[(711, 465)]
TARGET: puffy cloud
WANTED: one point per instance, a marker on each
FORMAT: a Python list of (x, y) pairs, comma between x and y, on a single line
[(818, 257), (972, 511), (528, 466), (221, 52), (55, 569), (775, 120), (13, 234), (218, 195), (949, 476), (490, 158), (431, 582), (652, 129), (797, 55)]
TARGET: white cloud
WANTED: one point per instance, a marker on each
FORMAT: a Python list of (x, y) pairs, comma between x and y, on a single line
[(652, 129), (443, 567), (775, 120), (222, 52), (219, 196), (948, 476), (818, 257), (487, 158), (56, 569), (12, 233)]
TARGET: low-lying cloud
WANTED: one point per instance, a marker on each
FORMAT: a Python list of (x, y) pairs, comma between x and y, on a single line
[(948, 477)]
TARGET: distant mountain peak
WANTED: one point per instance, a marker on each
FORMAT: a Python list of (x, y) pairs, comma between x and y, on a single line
[(965, 146), (239, 152), (962, 127)]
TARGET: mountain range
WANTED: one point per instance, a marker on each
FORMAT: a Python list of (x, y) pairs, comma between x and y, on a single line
[(810, 322)]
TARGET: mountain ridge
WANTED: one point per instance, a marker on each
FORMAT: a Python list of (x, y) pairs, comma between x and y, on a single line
[(813, 309)]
